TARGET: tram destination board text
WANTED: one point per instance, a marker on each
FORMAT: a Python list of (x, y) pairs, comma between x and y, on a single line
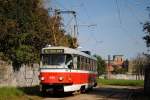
[(53, 51)]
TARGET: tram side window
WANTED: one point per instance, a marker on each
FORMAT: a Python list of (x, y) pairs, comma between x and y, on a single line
[(88, 65), (95, 66), (85, 63), (91, 64), (82, 63), (69, 60), (78, 62), (46, 60), (75, 62)]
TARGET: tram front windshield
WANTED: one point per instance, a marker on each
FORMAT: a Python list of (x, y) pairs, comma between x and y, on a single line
[(53, 59)]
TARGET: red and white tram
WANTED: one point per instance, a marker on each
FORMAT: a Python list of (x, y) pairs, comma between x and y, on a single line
[(67, 70)]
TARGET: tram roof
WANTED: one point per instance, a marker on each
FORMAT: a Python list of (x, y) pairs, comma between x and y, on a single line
[(69, 51)]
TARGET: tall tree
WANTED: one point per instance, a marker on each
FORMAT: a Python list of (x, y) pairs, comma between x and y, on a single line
[(139, 64), (26, 27), (146, 28), (101, 65)]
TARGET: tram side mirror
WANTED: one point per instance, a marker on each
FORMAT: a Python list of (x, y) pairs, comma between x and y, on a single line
[(70, 65)]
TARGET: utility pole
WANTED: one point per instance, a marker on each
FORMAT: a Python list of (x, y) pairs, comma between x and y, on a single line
[(75, 27), (56, 16), (108, 67)]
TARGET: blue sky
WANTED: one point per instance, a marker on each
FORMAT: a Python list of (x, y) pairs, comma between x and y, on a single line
[(118, 29)]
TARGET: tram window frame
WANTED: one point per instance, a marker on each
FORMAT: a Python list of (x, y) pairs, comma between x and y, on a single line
[(83, 60)]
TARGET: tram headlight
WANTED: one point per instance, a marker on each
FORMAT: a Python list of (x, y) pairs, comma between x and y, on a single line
[(60, 78), (42, 78)]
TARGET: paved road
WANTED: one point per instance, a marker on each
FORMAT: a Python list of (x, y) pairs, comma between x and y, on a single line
[(99, 93)]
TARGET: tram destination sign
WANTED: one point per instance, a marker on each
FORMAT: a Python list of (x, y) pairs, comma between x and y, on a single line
[(53, 51)]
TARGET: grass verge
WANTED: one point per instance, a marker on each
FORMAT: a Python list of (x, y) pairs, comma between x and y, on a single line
[(13, 93), (7, 93), (119, 82)]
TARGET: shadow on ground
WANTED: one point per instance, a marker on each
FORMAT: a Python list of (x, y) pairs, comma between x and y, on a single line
[(118, 92), (34, 91), (107, 91)]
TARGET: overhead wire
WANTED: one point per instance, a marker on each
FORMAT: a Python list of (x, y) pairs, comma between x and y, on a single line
[(59, 4), (121, 22), (88, 16), (132, 12), (70, 21), (91, 36), (94, 37), (68, 26), (118, 10), (76, 18)]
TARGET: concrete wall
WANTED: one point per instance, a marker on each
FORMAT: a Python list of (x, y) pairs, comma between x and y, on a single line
[(25, 76), (127, 77), (124, 76)]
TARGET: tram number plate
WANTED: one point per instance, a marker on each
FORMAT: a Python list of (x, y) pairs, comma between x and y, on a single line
[(52, 77)]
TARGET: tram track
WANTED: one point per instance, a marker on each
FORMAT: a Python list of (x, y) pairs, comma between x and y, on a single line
[(130, 95), (117, 95), (102, 93)]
